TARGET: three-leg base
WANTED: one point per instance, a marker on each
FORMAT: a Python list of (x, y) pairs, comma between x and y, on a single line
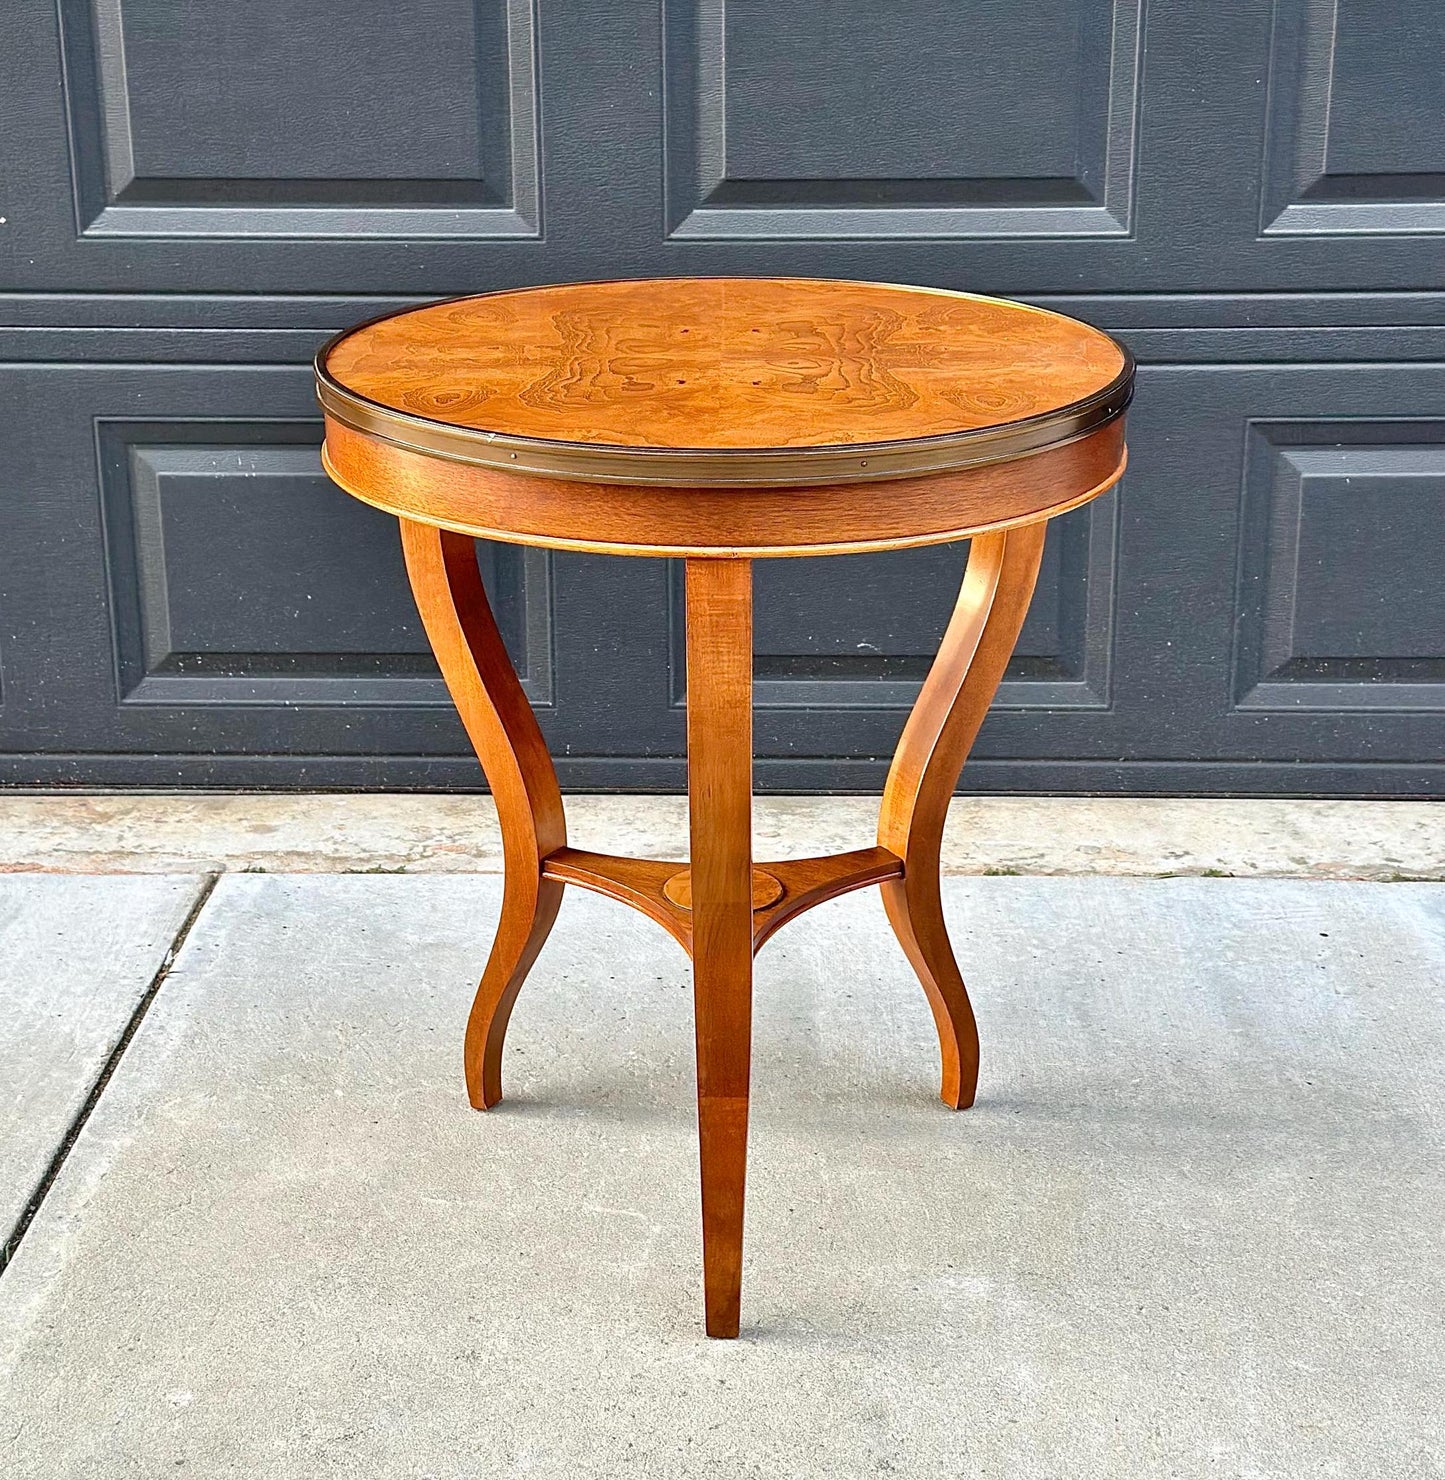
[(719, 906)]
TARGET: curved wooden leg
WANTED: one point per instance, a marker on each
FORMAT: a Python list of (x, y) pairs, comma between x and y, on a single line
[(719, 785), (528, 910), (503, 730), (997, 588)]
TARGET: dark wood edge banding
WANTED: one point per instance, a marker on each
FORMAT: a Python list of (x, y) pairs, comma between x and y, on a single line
[(740, 467)]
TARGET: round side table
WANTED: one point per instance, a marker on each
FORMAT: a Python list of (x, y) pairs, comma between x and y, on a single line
[(722, 420)]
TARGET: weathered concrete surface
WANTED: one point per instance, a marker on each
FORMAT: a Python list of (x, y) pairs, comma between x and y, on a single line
[(458, 834), (1191, 1229), (76, 956)]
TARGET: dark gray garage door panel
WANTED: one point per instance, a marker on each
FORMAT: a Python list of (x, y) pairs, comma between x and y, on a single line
[(1287, 495), (190, 120), (192, 583), (1353, 137)]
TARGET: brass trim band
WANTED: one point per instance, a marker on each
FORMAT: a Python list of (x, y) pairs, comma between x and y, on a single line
[(723, 467), (741, 467)]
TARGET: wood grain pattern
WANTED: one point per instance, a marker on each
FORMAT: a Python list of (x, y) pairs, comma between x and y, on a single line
[(997, 587), (767, 889), (810, 881), (725, 362), (719, 597), (503, 730), (636, 881), (625, 519)]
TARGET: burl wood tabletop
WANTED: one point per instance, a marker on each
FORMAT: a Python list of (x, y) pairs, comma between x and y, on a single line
[(712, 363)]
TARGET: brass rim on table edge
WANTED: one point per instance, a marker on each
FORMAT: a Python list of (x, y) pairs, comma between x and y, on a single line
[(728, 552), (741, 467)]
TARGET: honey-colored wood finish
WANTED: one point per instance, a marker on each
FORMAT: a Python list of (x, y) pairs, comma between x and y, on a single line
[(736, 364), (639, 882), (810, 881), (719, 597), (503, 730), (994, 599), (626, 519), (729, 419), (767, 889), (781, 889)]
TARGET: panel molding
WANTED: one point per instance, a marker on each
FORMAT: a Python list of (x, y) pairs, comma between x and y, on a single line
[(702, 201), (111, 199), (150, 665), (1299, 196), (1281, 457)]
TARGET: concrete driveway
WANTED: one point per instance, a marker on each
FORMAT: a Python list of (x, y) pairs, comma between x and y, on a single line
[(1192, 1227)]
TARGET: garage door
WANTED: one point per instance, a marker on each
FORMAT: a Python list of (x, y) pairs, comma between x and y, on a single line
[(1251, 193)]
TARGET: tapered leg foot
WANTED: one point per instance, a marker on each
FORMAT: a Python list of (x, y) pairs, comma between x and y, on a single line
[(997, 588), (527, 916), (722, 1125), (499, 722), (915, 911), (720, 760)]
